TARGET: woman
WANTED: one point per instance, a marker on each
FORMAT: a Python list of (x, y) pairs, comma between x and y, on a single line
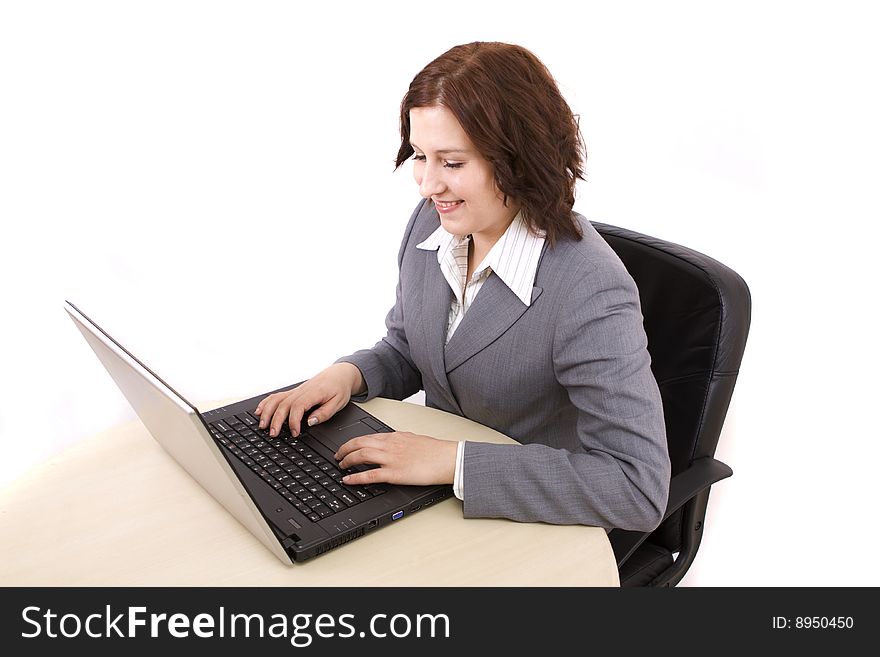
[(511, 310)]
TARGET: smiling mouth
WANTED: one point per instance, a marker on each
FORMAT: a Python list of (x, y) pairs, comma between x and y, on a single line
[(447, 205)]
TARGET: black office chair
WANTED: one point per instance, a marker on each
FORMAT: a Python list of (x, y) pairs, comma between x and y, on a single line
[(697, 314)]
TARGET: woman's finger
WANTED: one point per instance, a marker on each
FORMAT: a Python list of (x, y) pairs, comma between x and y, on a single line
[(326, 410), (368, 440)]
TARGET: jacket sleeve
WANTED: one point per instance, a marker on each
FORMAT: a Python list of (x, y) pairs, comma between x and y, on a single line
[(387, 367), (619, 474)]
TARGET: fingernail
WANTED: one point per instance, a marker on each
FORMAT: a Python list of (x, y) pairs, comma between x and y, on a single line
[(346, 478), (313, 421), (273, 433)]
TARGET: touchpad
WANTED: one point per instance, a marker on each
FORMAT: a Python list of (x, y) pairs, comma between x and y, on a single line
[(336, 438)]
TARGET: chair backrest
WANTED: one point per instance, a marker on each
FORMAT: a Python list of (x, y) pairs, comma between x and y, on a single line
[(697, 313)]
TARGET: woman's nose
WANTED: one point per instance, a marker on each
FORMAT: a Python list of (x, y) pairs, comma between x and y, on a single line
[(431, 183)]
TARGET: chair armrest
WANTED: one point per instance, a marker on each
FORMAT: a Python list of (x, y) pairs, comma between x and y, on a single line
[(701, 474)]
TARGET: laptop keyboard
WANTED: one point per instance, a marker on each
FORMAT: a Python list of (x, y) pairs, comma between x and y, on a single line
[(311, 483)]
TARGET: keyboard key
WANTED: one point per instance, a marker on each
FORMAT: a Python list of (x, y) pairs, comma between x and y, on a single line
[(348, 499), (247, 419), (362, 494), (324, 481)]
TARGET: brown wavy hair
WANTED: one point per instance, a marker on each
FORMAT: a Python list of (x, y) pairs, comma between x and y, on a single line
[(511, 109)]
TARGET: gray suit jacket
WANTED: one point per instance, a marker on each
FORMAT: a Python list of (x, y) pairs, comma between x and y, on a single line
[(568, 377)]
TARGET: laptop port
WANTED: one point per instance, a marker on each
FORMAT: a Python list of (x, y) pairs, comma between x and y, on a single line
[(397, 515)]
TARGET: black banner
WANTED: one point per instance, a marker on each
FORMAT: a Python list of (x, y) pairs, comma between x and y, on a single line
[(430, 621)]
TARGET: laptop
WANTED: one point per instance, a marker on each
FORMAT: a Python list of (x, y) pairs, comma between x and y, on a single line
[(286, 491)]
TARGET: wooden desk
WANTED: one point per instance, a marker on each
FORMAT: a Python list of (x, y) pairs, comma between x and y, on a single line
[(116, 510)]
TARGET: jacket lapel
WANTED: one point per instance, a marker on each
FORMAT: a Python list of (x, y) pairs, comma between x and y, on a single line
[(436, 301), (494, 310)]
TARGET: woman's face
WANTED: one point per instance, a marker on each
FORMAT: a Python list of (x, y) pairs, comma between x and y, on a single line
[(461, 183)]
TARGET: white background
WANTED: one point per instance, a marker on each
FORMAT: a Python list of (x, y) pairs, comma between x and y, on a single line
[(209, 179)]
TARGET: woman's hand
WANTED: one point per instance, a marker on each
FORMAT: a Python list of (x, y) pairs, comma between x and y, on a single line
[(330, 390), (402, 457)]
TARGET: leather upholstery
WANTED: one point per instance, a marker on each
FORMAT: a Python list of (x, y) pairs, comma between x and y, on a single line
[(697, 313)]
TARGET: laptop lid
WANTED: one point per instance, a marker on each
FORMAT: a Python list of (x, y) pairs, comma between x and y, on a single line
[(177, 426)]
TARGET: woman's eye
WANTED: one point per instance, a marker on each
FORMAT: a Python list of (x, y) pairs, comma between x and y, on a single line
[(418, 158), (453, 165)]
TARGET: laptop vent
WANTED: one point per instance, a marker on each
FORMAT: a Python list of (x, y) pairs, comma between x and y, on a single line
[(339, 540)]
